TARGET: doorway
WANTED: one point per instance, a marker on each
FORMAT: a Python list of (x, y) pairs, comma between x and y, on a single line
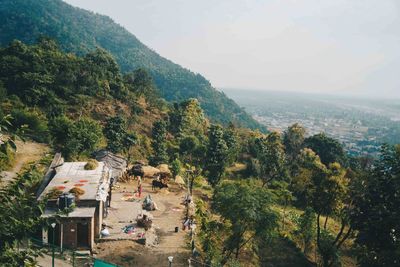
[(82, 233)]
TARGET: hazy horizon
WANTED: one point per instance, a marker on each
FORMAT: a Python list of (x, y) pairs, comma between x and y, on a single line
[(333, 46), (344, 95)]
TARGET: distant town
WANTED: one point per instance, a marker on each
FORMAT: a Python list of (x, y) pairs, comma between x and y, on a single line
[(361, 125)]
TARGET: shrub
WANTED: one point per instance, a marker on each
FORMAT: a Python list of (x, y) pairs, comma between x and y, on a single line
[(35, 122)]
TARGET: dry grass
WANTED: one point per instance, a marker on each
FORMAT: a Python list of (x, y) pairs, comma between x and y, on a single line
[(348, 260)]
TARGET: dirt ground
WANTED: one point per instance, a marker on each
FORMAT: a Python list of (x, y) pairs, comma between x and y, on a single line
[(27, 152), (169, 214)]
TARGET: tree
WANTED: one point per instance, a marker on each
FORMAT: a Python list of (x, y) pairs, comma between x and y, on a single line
[(117, 135), (231, 140), (306, 229), (176, 167), (328, 149), (293, 139), (271, 156), (192, 173), (7, 142), (210, 234), (192, 150), (75, 138), (159, 143), (327, 191), (19, 217), (217, 155), (248, 209), (141, 83), (376, 216), (3, 92), (187, 118)]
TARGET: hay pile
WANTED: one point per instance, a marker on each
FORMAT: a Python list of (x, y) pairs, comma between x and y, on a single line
[(91, 164), (77, 191), (164, 169), (54, 193), (150, 171)]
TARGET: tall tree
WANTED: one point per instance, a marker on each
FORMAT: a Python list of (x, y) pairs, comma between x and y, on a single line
[(118, 137), (377, 213), (217, 155), (187, 118), (231, 140), (159, 145), (306, 229), (271, 156), (293, 140), (248, 209), (327, 191)]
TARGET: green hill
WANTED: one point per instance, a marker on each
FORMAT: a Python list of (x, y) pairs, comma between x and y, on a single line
[(80, 31)]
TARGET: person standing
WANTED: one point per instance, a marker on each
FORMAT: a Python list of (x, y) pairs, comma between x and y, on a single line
[(139, 186)]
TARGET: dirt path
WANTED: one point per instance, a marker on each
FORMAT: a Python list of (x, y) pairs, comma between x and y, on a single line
[(45, 261), (168, 216), (26, 152)]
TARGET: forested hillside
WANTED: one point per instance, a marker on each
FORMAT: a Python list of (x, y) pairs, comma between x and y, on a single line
[(81, 31)]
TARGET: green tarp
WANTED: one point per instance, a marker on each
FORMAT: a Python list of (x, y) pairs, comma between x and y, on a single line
[(100, 263)]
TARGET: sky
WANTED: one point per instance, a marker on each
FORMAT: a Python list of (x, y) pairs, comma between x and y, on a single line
[(324, 46)]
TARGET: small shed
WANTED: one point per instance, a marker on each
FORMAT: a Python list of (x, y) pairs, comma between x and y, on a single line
[(78, 228)]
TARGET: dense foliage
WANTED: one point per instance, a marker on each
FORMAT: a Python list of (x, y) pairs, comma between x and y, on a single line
[(19, 218), (246, 211), (158, 144), (7, 144), (377, 216), (76, 138), (82, 31), (118, 137)]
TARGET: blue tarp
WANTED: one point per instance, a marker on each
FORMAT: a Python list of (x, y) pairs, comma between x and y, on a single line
[(100, 263)]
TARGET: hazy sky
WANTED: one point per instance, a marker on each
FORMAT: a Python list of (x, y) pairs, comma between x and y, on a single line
[(340, 46)]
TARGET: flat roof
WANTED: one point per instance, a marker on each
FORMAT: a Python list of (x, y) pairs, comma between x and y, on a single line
[(73, 174), (78, 212)]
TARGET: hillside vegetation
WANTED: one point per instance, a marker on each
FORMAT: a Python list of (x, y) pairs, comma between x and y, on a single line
[(81, 31)]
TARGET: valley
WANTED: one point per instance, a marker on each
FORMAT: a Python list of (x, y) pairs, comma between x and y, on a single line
[(360, 124)]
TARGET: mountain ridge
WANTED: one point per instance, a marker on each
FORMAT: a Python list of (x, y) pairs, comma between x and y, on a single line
[(80, 31)]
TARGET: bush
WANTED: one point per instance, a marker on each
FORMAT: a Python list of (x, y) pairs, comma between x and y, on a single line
[(34, 122)]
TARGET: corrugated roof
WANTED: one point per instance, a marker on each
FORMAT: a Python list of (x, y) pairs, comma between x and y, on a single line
[(117, 163)]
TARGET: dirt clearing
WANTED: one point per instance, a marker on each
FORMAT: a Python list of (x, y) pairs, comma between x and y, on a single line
[(169, 214), (27, 152)]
